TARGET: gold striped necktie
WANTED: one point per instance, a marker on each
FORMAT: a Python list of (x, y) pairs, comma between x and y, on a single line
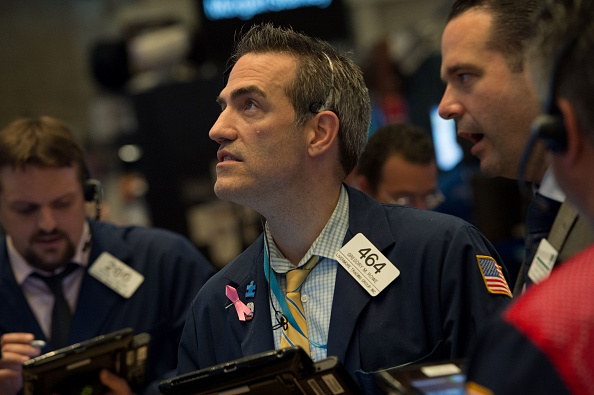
[(295, 279)]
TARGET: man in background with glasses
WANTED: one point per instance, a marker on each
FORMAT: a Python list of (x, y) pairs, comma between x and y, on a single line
[(398, 166)]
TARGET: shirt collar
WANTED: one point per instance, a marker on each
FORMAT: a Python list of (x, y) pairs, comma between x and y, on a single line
[(549, 187), (22, 269), (327, 243)]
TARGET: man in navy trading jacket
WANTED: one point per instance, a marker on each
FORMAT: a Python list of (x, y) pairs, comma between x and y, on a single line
[(543, 343), (388, 285), (43, 185)]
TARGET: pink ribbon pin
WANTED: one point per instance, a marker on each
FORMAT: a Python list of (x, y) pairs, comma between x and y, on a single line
[(243, 311)]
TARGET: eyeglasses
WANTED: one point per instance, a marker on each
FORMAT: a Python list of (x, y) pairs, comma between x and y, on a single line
[(429, 201)]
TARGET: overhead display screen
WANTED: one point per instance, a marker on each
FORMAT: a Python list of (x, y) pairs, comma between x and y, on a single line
[(246, 9), (221, 21)]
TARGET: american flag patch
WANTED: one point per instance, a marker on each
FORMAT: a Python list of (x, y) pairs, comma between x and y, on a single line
[(493, 276)]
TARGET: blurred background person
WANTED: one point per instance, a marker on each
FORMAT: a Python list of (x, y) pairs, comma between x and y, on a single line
[(387, 87), (398, 166)]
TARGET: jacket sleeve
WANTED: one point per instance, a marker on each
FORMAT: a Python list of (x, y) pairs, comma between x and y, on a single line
[(503, 358), (474, 288)]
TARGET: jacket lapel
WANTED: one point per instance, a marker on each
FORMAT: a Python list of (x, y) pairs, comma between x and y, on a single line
[(255, 334), (350, 298), (88, 309)]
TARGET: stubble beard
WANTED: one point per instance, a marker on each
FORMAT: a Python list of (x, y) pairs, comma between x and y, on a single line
[(37, 261)]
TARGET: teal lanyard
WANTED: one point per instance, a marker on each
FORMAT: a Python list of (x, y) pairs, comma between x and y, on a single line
[(281, 298)]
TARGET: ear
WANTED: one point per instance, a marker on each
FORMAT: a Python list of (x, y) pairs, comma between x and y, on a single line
[(323, 133), (575, 137)]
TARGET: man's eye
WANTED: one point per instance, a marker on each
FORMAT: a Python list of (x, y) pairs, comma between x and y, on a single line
[(250, 105), (62, 204), (25, 210), (464, 77)]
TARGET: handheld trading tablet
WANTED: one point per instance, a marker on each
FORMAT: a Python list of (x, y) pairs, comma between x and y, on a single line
[(286, 371), (436, 378), (75, 369)]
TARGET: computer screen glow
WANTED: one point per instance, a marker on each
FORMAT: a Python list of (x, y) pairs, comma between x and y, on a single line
[(447, 150)]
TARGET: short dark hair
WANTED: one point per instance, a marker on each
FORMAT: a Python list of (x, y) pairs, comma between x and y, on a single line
[(325, 80), (412, 142), (562, 54), (41, 142), (512, 25)]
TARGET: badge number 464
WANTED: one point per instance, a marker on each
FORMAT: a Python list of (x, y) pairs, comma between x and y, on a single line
[(366, 264)]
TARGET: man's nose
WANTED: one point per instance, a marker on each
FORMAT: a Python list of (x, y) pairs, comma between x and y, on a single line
[(47, 219), (449, 107)]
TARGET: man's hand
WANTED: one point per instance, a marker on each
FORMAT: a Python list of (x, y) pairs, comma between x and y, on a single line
[(16, 350), (116, 384)]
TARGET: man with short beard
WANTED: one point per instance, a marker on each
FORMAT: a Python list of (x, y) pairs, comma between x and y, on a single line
[(44, 184)]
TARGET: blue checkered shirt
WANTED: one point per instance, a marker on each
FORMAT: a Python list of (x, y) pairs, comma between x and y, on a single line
[(318, 289)]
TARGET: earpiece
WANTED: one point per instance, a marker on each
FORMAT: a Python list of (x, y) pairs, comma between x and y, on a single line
[(93, 192), (551, 130), (550, 127)]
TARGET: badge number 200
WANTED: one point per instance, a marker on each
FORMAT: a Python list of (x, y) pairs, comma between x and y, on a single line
[(116, 275), (371, 260), (116, 271)]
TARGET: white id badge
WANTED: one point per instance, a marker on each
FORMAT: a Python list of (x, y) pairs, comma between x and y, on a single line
[(116, 275), (372, 270), (543, 262)]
